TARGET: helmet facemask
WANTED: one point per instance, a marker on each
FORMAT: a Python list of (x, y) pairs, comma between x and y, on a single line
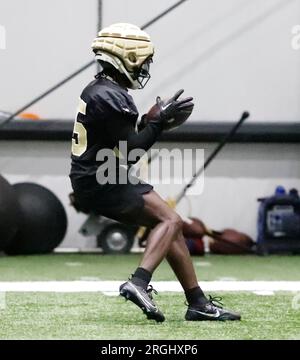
[(142, 76), (137, 78)]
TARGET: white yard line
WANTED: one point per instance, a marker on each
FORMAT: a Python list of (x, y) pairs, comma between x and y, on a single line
[(174, 286)]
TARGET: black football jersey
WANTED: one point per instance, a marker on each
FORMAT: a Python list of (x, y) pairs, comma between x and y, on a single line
[(106, 115)]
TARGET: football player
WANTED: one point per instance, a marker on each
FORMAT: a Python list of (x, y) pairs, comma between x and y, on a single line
[(107, 115)]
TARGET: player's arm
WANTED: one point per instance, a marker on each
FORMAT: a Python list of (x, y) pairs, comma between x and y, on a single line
[(122, 129)]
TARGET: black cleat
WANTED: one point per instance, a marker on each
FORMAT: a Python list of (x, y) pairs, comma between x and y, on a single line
[(143, 299), (210, 311)]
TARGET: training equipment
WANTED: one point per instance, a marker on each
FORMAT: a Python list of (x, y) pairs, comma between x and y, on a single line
[(193, 228), (128, 49), (195, 246), (29, 116), (43, 221), (116, 238), (211, 311), (193, 231), (9, 213), (143, 299), (171, 113), (215, 152), (230, 241), (278, 223), (112, 236)]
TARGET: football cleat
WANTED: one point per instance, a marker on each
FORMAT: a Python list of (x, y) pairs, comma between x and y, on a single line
[(212, 310), (143, 299)]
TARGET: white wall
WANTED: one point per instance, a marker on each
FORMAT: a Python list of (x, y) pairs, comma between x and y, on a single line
[(238, 176), (231, 55), (45, 41), (211, 49)]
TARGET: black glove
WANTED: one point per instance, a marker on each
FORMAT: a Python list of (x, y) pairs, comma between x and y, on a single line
[(166, 110)]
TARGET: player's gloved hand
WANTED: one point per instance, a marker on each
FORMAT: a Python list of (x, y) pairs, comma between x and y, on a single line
[(166, 110)]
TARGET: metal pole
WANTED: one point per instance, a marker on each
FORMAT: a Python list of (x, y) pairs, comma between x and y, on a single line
[(244, 116)]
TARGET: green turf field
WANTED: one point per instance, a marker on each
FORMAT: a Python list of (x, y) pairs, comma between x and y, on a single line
[(106, 267), (96, 316)]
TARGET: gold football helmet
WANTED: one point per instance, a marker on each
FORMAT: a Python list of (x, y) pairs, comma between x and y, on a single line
[(128, 49)]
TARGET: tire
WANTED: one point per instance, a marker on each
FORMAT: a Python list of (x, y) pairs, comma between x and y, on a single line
[(116, 238)]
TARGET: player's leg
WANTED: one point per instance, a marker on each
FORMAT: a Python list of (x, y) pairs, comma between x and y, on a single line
[(166, 225), (199, 307), (181, 262)]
